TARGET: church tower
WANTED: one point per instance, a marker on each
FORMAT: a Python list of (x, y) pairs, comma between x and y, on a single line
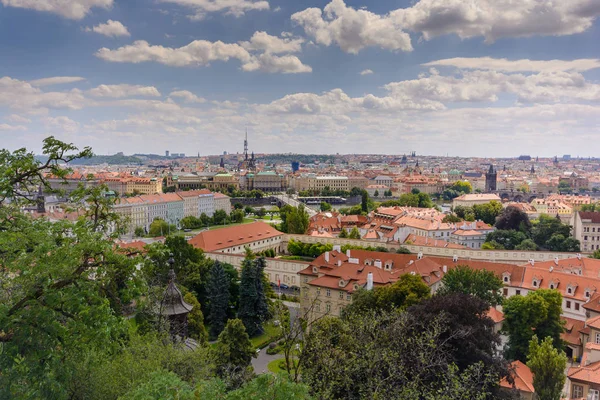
[(491, 178)]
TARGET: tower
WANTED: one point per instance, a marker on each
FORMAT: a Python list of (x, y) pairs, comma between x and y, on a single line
[(40, 201), (491, 179), (246, 146), (532, 169)]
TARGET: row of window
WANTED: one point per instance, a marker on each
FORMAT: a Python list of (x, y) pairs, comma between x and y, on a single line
[(587, 229), (328, 294)]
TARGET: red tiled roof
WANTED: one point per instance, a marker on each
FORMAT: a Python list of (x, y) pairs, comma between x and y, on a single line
[(238, 235), (496, 315), (522, 376)]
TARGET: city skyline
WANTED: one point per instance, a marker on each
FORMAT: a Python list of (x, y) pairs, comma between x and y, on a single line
[(323, 77)]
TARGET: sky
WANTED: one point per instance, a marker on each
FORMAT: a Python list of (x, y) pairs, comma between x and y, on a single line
[(488, 78)]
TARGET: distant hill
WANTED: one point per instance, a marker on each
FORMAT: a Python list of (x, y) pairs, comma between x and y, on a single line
[(117, 159)]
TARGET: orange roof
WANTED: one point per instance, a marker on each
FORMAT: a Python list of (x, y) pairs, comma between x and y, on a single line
[(135, 245), (194, 193), (431, 242), (593, 322), (522, 376), (589, 373), (238, 235), (572, 329), (496, 315)]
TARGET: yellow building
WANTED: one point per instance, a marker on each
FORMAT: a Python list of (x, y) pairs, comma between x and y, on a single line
[(143, 185)]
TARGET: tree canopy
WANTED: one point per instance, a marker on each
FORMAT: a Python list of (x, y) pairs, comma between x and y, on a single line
[(480, 283)]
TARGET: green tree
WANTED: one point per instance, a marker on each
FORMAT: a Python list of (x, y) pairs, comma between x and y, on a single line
[(545, 227), (161, 384), (237, 216), (197, 331), (564, 186), (463, 187), (63, 285), (364, 203), (536, 313), (139, 232), (294, 219), (343, 234), (527, 245), (405, 292), (507, 239), (480, 283), (248, 210), (487, 212), (160, 227), (354, 233), (548, 366), (263, 387), (451, 219), (220, 217), (205, 219), (596, 254), (253, 310), (376, 193), (234, 350), (325, 206), (218, 297), (190, 222), (403, 250)]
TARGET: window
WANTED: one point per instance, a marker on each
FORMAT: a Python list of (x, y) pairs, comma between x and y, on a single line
[(552, 286), (587, 293), (305, 279), (568, 304), (318, 291), (348, 297), (318, 308), (518, 292), (597, 338), (577, 391), (506, 279), (576, 306), (535, 283), (593, 394), (328, 307), (328, 293), (505, 292)]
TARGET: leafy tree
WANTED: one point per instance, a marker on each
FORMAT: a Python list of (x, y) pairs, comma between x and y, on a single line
[(594, 207), (325, 206), (536, 313), (63, 285), (487, 212), (596, 254), (527, 245), (564, 186), (220, 217), (355, 191), (234, 350), (205, 219), (480, 283), (263, 387), (190, 222), (468, 330), (139, 232), (451, 218), (545, 227), (253, 310), (364, 204), (376, 193), (406, 291), (218, 297), (238, 206), (248, 210), (343, 234), (463, 187), (548, 366), (354, 233), (195, 318), (512, 218), (161, 385), (493, 245), (507, 239), (237, 216), (406, 358), (160, 227)]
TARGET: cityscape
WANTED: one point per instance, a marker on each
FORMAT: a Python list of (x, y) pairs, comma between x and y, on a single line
[(258, 199)]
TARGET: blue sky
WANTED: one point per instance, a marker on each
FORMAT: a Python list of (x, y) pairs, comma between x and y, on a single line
[(472, 78)]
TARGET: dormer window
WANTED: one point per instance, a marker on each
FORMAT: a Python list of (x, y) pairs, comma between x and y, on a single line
[(535, 283), (506, 279), (315, 270), (570, 290), (342, 283), (587, 293)]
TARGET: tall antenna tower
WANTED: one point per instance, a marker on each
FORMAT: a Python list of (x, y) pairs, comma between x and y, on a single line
[(246, 145)]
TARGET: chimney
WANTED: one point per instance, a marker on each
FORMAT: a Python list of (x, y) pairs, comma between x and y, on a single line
[(445, 268), (326, 256), (370, 281), (455, 258), (348, 253), (579, 256), (556, 260), (532, 261), (337, 247), (377, 263), (420, 255)]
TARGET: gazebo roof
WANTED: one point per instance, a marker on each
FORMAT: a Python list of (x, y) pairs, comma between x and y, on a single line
[(173, 303)]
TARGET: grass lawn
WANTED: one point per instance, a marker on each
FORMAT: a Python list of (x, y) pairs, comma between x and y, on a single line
[(245, 221), (275, 365), (270, 334)]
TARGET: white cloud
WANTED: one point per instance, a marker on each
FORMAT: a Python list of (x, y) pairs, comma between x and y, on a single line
[(56, 80), (525, 65), (187, 96), (494, 19), (202, 53), (123, 90), (366, 72), (7, 127), (21, 95), (71, 9), (18, 119), (262, 41), (232, 7), (110, 28), (61, 124), (286, 64), (352, 30), (196, 53)]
